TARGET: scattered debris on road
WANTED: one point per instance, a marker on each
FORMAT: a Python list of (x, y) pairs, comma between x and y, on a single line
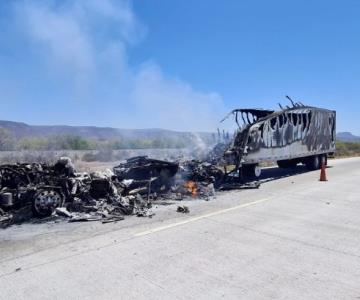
[(29, 191), (183, 209)]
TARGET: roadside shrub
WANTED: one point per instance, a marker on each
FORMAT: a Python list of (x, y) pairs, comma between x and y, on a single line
[(344, 149)]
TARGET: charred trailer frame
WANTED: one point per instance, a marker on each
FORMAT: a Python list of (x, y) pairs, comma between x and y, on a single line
[(301, 134)]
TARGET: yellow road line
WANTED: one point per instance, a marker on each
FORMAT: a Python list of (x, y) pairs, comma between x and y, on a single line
[(150, 231)]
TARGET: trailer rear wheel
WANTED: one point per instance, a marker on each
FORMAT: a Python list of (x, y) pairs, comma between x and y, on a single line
[(257, 171), (313, 162), (252, 170), (323, 159)]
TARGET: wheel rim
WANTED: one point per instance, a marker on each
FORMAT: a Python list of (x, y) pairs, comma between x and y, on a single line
[(47, 200), (257, 171)]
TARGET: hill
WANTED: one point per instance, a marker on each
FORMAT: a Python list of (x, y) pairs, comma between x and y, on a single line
[(347, 137), (22, 130), (21, 136)]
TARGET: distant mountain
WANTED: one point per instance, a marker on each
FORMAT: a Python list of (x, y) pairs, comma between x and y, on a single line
[(21, 130), (347, 137)]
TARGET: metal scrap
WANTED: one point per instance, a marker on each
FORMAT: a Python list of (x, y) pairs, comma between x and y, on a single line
[(183, 209), (39, 190)]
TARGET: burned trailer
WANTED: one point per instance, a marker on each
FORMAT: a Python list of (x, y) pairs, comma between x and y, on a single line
[(300, 134)]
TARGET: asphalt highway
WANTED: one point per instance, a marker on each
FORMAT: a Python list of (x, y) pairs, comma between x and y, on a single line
[(293, 238)]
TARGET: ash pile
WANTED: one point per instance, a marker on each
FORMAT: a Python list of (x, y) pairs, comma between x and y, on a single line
[(41, 192)]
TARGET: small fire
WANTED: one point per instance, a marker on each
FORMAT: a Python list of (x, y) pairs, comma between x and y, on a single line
[(192, 188)]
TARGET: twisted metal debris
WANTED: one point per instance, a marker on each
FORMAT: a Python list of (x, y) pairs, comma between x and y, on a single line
[(40, 190)]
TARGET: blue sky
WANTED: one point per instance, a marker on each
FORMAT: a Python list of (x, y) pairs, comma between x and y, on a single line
[(175, 64)]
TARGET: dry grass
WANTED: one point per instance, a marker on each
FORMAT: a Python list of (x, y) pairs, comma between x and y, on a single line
[(83, 166)]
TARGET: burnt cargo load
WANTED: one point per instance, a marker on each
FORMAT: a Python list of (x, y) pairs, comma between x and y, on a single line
[(300, 134)]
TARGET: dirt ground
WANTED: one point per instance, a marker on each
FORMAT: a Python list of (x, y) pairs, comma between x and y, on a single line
[(82, 166)]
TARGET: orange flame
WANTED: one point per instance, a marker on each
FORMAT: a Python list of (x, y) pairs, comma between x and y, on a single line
[(192, 188)]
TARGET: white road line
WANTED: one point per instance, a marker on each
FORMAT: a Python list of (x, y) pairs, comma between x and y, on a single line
[(199, 217)]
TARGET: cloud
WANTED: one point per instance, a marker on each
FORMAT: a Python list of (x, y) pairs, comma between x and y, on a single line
[(88, 41)]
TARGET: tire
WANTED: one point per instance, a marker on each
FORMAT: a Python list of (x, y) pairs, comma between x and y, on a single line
[(45, 201), (323, 159), (252, 171), (313, 162)]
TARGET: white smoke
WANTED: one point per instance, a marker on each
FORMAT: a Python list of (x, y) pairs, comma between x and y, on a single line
[(87, 42)]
